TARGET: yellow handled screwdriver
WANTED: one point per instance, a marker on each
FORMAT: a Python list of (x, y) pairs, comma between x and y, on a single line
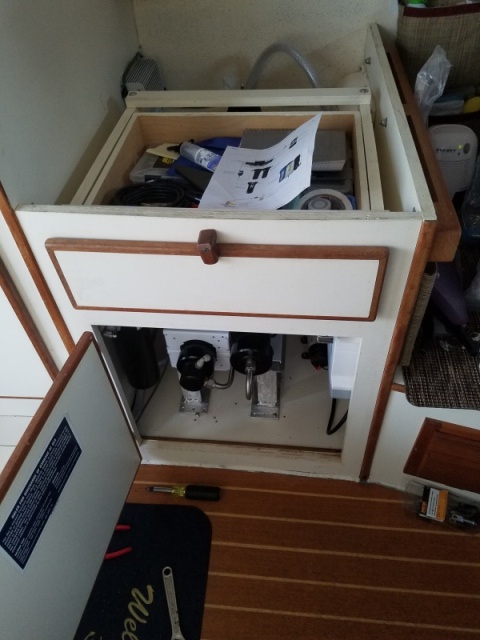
[(190, 491)]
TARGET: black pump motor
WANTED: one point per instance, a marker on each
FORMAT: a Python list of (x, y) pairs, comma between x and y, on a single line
[(195, 364), (251, 351)]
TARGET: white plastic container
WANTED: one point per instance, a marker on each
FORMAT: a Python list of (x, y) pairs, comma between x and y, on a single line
[(201, 156)]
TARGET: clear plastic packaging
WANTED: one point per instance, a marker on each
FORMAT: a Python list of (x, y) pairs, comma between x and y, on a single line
[(431, 81), (440, 505)]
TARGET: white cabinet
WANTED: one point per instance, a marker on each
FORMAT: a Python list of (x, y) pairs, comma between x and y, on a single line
[(349, 274), (26, 369)]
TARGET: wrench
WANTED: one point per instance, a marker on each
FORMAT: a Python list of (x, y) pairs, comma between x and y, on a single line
[(169, 585)]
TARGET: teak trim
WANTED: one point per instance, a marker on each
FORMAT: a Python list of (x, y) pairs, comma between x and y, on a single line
[(407, 305), (225, 250), (447, 453), (25, 319), (34, 270)]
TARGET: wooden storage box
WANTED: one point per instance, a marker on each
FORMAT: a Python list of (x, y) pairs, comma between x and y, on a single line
[(142, 130)]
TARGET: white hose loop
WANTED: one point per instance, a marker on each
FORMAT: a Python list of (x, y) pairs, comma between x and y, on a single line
[(279, 47)]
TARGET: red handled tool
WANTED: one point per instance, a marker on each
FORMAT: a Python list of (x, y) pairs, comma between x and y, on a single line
[(119, 552)]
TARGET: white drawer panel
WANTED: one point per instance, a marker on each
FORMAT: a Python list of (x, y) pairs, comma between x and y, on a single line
[(252, 280)]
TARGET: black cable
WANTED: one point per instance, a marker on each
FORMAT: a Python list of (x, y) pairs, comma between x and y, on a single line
[(151, 194), (333, 429)]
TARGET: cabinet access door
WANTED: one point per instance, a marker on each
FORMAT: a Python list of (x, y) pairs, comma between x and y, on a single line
[(61, 494)]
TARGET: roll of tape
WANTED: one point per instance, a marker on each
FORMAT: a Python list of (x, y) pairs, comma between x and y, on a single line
[(323, 200)]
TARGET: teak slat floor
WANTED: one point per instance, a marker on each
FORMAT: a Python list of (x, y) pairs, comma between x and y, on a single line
[(319, 559)]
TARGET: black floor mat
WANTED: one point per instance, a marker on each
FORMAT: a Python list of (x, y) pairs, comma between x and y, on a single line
[(129, 596)]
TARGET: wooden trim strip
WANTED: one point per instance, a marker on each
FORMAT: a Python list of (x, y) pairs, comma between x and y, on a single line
[(323, 616), (419, 262), (226, 250), (322, 451), (34, 270), (25, 319), (344, 554)]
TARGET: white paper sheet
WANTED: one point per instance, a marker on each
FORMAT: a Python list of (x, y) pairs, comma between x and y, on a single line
[(263, 179)]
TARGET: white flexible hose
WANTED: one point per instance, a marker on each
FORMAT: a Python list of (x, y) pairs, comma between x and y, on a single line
[(279, 47)]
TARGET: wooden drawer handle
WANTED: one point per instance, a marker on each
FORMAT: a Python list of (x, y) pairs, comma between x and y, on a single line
[(207, 246)]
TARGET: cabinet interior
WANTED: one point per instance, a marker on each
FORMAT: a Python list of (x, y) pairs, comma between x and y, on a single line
[(295, 417), (145, 130)]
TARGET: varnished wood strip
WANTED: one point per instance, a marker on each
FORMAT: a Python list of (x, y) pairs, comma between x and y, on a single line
[(387, 574), (25, 319), (327, 510), (225, 249), (353, 586), (377, 544), (407, 306), (446, 453), (141, 485), (311, 599), (335, 517), (151, 474), (32, 266), (238, 624)]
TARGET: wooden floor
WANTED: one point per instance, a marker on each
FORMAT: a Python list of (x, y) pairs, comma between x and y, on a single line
[(302, 558)]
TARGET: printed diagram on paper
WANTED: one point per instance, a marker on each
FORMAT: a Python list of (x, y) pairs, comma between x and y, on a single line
[(263, 179)]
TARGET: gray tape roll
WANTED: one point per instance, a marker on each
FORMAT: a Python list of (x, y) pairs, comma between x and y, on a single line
[(323, 200)]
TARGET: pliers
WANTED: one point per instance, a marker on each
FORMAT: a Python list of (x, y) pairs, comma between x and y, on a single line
[(110, 555)]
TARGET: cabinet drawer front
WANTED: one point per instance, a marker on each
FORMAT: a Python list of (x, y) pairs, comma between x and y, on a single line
[(248, 280)]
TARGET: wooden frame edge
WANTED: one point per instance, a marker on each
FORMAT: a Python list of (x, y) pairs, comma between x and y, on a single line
[(25, 319), (419, 262), (34, 270)]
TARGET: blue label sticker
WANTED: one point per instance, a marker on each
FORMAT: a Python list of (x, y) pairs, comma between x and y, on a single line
[(24, 525)]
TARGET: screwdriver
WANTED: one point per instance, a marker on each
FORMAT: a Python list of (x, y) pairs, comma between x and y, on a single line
[(190, 491)]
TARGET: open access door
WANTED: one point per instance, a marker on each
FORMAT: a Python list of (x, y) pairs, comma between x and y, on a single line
[(61, 494)]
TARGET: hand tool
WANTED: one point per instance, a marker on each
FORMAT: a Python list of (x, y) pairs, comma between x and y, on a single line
[(120, 552), (190, 491), (169, 585)]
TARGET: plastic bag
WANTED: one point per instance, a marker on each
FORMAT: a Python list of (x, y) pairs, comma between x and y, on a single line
[(431, 81)]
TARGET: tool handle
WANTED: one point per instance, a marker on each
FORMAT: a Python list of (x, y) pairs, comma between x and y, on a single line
[(202, 492)]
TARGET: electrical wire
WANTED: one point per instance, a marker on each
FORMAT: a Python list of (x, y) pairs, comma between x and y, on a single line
[(152, 194), (333, 429)]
